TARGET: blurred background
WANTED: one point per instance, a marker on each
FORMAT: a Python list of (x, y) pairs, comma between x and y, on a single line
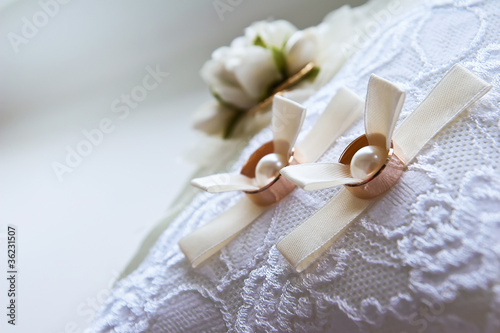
[(60, 81)]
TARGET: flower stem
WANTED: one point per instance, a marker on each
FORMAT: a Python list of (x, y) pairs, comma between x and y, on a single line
[(232, 124)]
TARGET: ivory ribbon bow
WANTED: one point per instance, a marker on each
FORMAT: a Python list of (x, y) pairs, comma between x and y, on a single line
[(287, 120), (457, 91)]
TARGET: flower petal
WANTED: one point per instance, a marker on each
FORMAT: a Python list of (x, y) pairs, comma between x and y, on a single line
[(301, 49), (273, 34), (212, 117), (233, 96), (257, 72)]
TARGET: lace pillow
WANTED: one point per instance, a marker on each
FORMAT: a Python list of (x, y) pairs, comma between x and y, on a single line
[(425, 257)]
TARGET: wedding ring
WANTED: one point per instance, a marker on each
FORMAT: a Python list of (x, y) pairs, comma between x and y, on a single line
[(278, 188), (381, 181)]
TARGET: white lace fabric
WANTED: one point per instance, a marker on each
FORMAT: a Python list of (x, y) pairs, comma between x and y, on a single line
[(425, 257)]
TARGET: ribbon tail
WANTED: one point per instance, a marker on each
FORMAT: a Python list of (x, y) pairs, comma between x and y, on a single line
[(343, 109), (456, 92), (225, 182), (317, 176), (288, 117), (310, 239), (209, 239), (384, 102)]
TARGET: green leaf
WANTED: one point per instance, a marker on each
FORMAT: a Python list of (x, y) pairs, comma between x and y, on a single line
[(270, 89), (279, 60), (223, 102), (228, 131), (217, 97), (259, 42), (233, 121), (311, 76)]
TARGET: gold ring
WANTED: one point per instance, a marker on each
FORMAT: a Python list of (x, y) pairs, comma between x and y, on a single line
[(382, 180), (278, 188)]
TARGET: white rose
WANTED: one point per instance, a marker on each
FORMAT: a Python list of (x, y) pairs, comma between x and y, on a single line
[(301, 48), (272, 34), (243, 74), (240, 76)]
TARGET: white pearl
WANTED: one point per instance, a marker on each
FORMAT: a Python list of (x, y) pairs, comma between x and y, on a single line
[(268, 168), (367, 161)]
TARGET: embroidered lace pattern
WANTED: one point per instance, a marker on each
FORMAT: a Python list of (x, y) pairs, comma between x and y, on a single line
[(424, 258)]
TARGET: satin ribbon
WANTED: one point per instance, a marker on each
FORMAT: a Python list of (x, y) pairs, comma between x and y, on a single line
[(456, 91), (204, 242)]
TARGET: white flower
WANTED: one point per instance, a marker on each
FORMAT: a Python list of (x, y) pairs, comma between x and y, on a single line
[(300, 49), (240, 76), (272, 34), (243, 74)]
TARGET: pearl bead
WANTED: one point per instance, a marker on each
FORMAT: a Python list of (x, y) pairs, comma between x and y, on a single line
[(268, 168), (367, 161)]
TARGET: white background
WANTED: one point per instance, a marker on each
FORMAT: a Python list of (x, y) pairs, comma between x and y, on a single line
[(76, 236)]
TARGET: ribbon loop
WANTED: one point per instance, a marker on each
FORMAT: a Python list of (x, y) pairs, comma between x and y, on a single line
[(224, 182), (288, 117), (384, 102), (317, 176), (342, 110)]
